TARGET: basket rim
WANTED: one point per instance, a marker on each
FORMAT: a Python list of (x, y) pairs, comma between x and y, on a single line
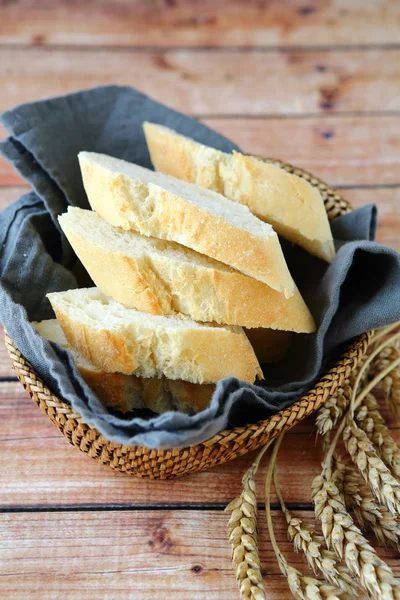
[(356, 346), (331, 378)]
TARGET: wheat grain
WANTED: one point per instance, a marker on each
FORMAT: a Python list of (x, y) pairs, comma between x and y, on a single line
[(243, 538), (331, 411), (370, 420), (301, 586), (320, 559), (384, 486), (346, 539), (369, 514)]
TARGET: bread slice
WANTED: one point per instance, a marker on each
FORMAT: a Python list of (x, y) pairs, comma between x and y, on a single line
[(116, 338), (291, 204), (115, 390), (161, 277), (127, 392), (135, 198)]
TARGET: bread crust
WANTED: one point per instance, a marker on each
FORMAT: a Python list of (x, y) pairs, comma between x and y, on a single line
[(291, 204), (159, 286), (126, 202), (195, 354)]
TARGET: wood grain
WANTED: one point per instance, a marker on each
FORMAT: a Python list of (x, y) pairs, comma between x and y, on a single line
[(203, 82), (206, 23), (40, 460), (352, 150), (155, 554)]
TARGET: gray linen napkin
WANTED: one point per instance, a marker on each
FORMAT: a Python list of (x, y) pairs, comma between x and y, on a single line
[(358, 292)]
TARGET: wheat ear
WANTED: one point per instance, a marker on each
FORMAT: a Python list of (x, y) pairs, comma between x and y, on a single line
[(320, 559), (368, 513), (370, 420), (346, 539), (243, 536), (301, 586), (331, 411), (384, 486)]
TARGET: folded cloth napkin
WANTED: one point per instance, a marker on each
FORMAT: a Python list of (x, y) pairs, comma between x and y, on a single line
[(359, 291)]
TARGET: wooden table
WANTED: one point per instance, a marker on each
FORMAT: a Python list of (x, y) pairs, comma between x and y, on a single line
[(314, 83)]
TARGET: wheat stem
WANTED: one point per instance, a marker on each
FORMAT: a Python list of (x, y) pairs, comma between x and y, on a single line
[(301, 586), (366, 365), (243, 535), (346, 539), (319, 558)]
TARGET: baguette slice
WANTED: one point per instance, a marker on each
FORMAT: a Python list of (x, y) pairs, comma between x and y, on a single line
[(115, 390), (115, 338), (161, 277), (127, 392), (291, 204), (135, 198)]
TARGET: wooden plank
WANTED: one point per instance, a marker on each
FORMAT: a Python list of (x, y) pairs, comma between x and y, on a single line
[(352, 150), (40, 460), (9, 195), (203, 82), (388, 202), (209, 23), (107, 555)]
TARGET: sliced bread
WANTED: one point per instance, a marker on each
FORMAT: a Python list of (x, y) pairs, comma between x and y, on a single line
[(116, 338), (115, 390), (291, 204), (162, 277), (135, 198), (127, 392)]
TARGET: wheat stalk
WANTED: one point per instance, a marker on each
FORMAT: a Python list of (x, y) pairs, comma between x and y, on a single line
[(346, 539), (331, 411), (370, 420), (391, 384), (368, 513), (384, 486), (301, 586), (243, 536), (320, 559)]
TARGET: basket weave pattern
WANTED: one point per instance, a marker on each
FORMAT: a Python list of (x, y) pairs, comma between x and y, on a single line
[(226, 445)]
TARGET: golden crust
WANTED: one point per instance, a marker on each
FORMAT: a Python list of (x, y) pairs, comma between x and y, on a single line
[(295, 208), (204, 294), (113, 196), (199, 355)]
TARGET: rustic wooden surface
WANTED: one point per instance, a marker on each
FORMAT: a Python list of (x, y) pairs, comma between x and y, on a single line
[(313, 83)]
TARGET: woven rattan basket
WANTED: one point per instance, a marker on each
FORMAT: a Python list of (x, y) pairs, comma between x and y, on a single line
[(227, 445)]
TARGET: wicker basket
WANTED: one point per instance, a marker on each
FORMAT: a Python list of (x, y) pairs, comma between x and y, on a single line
[(227, 445)]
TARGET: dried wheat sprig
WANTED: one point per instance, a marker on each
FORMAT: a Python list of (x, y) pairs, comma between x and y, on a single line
[(380, 333), (305, 538), (331, 411), (366, 365), (391, 385), (243, 536), (346, 539), (301, 586), (384, 486), (370, 420), (369, 514)]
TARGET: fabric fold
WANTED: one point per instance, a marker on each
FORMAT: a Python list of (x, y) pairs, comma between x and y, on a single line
[(359, 291)]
